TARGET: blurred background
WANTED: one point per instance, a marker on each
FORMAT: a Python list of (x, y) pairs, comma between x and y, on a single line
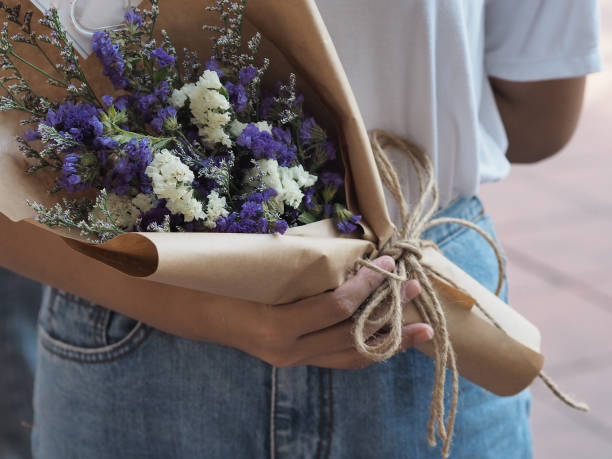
[(554, 220)]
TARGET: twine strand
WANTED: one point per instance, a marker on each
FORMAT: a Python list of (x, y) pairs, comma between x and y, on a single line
[(384, 309)]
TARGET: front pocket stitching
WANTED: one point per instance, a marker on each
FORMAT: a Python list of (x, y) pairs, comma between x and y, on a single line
[(462, 229), (108, 353)]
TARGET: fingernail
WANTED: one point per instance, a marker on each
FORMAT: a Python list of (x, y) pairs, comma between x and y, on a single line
[(385, 262), (424, 335), (409, 290)]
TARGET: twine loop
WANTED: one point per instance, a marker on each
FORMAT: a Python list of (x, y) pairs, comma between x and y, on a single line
[(383, 311), (400, 249)]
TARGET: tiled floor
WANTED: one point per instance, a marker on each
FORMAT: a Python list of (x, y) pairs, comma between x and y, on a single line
[(555, 222)]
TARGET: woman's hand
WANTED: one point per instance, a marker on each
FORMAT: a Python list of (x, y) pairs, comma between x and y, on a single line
[(314, 331), (318, 330)]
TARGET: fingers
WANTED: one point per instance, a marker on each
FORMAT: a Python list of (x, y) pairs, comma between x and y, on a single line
[(340, 336), (351, 359), (322, 311)]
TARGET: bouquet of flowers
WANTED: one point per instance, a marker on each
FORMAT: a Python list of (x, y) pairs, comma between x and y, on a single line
[(188, 174), (180, 145)]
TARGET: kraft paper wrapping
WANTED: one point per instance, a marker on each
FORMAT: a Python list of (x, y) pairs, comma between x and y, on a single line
[(130, 271)]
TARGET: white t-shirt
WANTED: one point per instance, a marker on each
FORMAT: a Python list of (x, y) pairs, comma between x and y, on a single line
[(419, 68)]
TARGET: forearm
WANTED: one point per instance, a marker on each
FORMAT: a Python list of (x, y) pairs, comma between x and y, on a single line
[(539, 117), (35, 253)]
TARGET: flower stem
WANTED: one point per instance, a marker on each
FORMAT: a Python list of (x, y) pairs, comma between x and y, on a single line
[(38, 69)]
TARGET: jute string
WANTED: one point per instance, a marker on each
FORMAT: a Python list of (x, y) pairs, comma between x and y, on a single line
[(383, 310)]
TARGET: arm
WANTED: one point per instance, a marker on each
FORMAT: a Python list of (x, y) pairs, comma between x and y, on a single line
[(540, 117), (314, 331)]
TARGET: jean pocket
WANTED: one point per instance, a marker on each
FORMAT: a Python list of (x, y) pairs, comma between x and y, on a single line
[(474, 255), (75, 329)]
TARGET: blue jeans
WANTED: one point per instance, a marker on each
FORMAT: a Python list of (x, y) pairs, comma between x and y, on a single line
[(19, 302), (110, 387)]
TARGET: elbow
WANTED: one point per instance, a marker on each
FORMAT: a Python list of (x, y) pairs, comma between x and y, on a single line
[(539, 148)]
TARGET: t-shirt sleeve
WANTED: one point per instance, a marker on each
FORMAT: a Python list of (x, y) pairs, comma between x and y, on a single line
[(527, 40)]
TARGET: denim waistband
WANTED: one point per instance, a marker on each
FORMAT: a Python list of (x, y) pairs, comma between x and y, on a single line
[(465, 208)]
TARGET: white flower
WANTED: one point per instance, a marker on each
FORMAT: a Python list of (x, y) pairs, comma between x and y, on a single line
[(287, 181), (215, 209), (236, 128), (172, 180), (294, 179), (302, 177), (179, 96), (292, 195), (144, 202), (210, 80), (209, 107), (125, 211), (267, 170), (264, 126)]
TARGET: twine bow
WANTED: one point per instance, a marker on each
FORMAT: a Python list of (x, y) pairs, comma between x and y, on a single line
[(384, 308)]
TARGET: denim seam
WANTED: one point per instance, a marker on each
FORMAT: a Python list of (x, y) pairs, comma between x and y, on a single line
[(105, 325), (96, 355), (321, 416), (273, 414), (459, 231), (330, 430), (98, 326)]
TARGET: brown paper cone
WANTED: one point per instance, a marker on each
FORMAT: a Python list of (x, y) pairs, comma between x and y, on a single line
[(134, 273)]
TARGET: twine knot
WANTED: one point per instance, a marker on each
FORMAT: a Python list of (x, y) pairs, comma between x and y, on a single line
[(384, 309), (400, 249)]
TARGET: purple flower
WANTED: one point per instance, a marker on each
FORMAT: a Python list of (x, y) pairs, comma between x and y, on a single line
[(79, 120), (347, 222), (264, 146), (237, 94), (108, 100), (155, 215), (96, 126), (121, 103), (286, 155), (250, 210), (263, 225), (128, 168), (213, 66), (282, 134), (280, 226), (330, 150), (72, 179), (31, 136), (111, 58), (106, 143), (265, 196), (163, 114), (53, 117), (162, 58), (269, 193), (307, 128), (144, 104), (162, 91), (266, 106), (308, 197), (228, 224), (133, 17), (332, 179), (247, 75), (350, 225)]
